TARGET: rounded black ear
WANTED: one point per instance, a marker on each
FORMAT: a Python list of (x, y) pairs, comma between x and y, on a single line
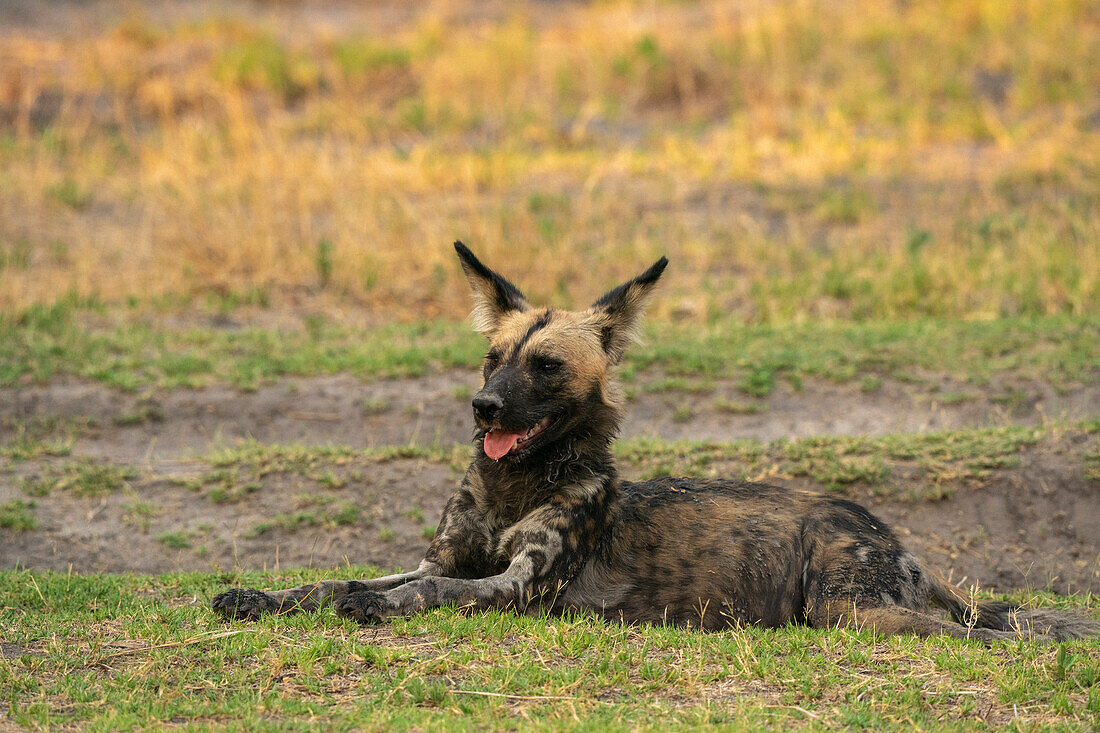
[(618, 313), (493, 295)]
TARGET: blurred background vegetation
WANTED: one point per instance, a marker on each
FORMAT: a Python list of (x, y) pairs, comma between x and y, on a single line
[(797, 160)]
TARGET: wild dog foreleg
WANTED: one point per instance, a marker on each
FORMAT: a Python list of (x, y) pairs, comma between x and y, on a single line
[(544, 554), (252, 603), (456, 546), (513, 588)]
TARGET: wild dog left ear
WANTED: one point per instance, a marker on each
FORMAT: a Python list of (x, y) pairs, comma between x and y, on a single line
[(618, 313)]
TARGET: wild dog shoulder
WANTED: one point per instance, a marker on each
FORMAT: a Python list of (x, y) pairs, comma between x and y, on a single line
[(561, 533)]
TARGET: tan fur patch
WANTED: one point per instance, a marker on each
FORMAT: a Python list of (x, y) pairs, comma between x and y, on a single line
[(572, 337)]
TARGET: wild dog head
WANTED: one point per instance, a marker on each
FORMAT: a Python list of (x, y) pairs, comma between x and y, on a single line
[(547, 371)]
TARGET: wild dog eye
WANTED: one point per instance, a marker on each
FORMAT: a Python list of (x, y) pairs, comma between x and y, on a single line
[(492, 361), (548, 366)]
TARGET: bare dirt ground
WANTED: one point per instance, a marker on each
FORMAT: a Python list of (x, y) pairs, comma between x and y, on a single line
[(343, 410), (1036, 525)]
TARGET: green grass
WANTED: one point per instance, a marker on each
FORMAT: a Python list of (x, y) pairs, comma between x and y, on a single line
[(146, 411), (1092, 463), (907, 466), (17, 515), (261, 62), (139, 514), (40, 436), (44, 343), (175, 540), (109, 652), (955, 398), (24, 448), (84, 478), (737, 407), (347, 514), (678, 384), (69, 193)]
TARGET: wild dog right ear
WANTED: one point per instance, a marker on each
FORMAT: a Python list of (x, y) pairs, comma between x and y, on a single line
[(493, 295), (618, 313)]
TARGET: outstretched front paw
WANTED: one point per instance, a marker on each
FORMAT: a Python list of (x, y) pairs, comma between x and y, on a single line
[(366, 607), (245, 603)]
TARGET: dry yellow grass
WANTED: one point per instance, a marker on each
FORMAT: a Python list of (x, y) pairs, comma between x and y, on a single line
[(796, 160)]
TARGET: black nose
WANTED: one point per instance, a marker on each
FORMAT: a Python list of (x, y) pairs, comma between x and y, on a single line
[(486, 406)]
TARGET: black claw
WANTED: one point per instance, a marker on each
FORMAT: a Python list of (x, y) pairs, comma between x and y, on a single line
[(244, 603), (366, 607)]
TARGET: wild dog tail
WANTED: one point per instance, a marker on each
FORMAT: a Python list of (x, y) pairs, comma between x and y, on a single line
[(1001, 616)]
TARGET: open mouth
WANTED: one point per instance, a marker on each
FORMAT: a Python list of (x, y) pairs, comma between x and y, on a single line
[(499, 443)]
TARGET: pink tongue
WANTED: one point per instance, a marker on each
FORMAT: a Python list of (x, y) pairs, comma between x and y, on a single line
[(498, 443)]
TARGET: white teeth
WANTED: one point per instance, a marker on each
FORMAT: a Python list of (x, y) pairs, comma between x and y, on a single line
[(536, 428)]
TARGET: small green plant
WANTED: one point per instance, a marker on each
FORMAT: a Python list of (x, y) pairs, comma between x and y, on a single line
[(86, 478), (71, 194), (870, 384), (679, 384), (139, 514), (17, 515), (15, 256), (374, 406), (36, 486), (758, 382), (359, 57), (175, 540), (330, 480), (261, 62), (346, 515), (307, 500), (955, 398), (387, 534), (293, 521), (682, 413), (1013, 398), (90, 479), (1091, 460), (225, 486), (323, 261), (145, 411), (844, 205), (736, 407), (24, 447), (259, 529)]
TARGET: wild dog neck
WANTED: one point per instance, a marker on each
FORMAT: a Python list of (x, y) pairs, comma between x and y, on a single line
[(509, 490), (573, 459)]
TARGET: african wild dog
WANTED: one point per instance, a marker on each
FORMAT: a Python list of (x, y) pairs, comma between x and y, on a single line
[(542, 520)]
